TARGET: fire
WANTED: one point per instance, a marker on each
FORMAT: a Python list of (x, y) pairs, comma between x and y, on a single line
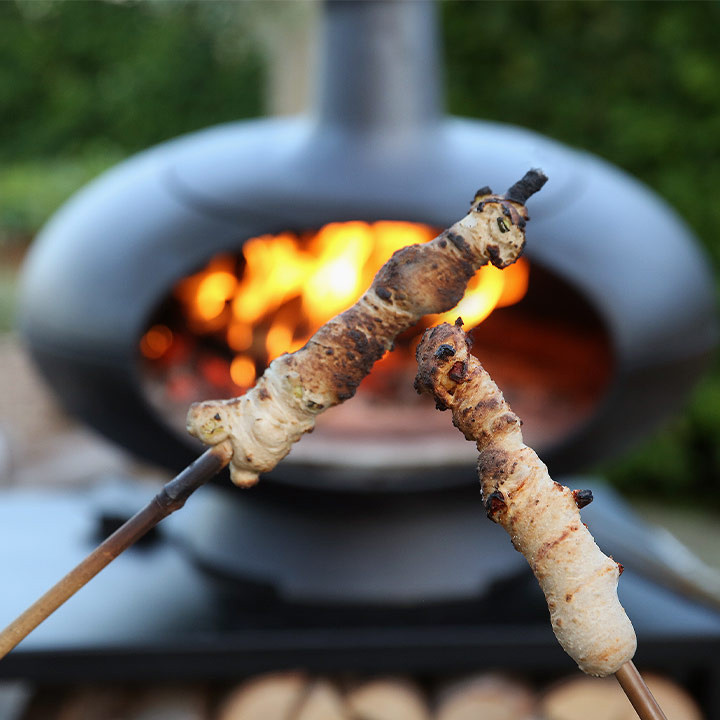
[(156, 342), (213, 292), (205, 295), (242, 371), (285, 286)]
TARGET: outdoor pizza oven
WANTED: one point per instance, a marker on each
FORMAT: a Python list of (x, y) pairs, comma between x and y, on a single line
[(607, 338), (178, 275)]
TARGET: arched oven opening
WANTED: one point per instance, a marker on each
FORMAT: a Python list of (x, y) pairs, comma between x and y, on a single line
[(219, 328)]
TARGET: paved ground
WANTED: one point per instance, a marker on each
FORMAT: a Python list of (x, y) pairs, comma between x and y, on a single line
[(39, 443)]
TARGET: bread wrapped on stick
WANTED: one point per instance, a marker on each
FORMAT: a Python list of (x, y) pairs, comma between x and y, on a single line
[(541, 516), (418, 280)]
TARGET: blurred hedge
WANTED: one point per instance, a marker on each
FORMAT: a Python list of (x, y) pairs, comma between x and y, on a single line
[(77, 75), (85, 83)]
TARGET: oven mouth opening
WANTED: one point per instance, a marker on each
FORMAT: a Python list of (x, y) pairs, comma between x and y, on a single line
[(542, 342)]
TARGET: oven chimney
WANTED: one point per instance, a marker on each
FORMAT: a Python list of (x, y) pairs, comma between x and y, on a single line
[(379, 66)]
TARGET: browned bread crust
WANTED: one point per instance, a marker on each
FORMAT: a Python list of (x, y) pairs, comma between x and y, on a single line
[(541, 516)]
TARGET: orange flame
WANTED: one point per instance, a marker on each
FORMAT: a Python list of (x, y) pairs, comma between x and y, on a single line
[(156, 342), (289, 285), (242, 371)]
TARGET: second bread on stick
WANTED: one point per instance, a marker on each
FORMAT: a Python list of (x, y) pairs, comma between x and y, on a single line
[(541, 516)]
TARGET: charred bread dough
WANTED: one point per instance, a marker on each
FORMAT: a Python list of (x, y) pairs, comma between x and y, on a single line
[(541, 516), (418, 280)]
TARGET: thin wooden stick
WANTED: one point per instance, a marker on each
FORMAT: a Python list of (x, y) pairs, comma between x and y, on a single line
[(638, 693), (171, 498)]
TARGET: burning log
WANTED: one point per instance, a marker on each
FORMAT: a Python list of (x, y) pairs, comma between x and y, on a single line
[(417, 280)]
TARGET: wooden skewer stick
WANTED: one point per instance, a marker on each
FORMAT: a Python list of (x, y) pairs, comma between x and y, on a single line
[(638, 693), (171, 498)]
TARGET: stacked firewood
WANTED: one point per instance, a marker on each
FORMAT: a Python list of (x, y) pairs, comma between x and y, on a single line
[(298, 696)]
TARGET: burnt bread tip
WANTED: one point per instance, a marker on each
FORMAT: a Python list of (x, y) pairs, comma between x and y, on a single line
[(527, 186)]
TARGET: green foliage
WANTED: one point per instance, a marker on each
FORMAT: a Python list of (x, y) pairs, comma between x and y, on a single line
[(682, 462), (83, 84), (32, 190), (8, 289), (638, 84), (74, 75)]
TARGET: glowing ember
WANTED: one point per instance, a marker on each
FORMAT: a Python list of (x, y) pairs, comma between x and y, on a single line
[(242, 371), (273, 298), (213, 291), (239, 336), (156, 342)]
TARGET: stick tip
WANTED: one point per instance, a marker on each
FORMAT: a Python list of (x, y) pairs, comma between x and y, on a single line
[(527, 186)]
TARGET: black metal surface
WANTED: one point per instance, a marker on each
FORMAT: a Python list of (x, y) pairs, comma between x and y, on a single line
[(152, 615), (377, 148), (431, 650)]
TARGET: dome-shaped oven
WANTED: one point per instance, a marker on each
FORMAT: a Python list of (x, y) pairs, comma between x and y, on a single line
[(616, 324)]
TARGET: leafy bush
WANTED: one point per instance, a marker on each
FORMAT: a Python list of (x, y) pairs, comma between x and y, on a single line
[(84, 84), (31, 191), (636, 83), (75, 75)]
